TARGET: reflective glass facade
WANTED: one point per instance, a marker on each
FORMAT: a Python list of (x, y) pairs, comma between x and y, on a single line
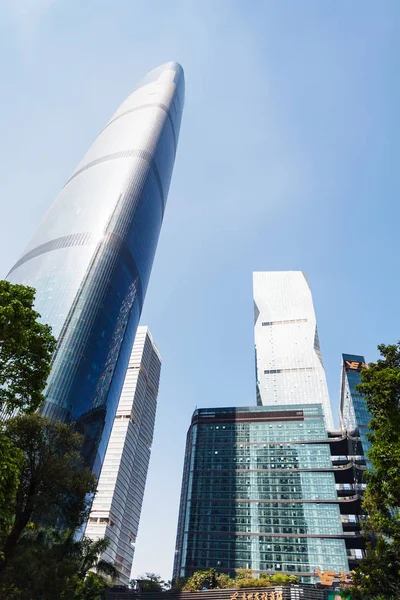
[(354, 414), (289, 368), (259, 492), (90, 260), (118, 502)]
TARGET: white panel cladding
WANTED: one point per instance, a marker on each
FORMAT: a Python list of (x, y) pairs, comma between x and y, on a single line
[(288, 359), (86, 202), (117, 506)]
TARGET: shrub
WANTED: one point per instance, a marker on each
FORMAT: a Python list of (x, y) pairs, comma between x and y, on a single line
[(223, 581), (252, 582)]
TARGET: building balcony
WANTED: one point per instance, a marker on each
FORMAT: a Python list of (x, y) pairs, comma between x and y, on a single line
[(351, 523), (345, 490), (340, 461), (354, 555), (349, 489), (343, 444), (345, 473), (350, 504), (354, 540)]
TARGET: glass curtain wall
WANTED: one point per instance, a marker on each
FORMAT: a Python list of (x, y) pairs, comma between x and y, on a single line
[(252, 499)]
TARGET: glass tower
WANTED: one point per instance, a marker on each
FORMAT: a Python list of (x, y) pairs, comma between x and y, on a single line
[(117, 505), (354, 414), (289, 367), (90, 259), (259, 492)]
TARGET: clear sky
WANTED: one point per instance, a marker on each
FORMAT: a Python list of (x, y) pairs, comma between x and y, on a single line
[(288, 159)]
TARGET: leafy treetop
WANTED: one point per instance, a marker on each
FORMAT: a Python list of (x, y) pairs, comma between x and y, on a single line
[(381, 389), (26, 347), (149, 582)]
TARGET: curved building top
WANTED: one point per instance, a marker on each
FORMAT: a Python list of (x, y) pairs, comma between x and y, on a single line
[(124, 138)]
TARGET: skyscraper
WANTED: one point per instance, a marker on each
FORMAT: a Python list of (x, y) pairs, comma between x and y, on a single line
[(289, 367), (354, 414), (90, 259), (354, 420), (259, 493), (117, 505)]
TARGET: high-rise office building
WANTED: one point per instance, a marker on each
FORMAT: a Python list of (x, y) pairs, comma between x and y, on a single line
[(90, 259), (354, 419), (354, 414), (266, 488), (289, 366), (259, 492), (117, 505)]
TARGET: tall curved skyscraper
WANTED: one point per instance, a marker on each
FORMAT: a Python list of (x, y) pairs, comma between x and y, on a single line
[(90, 259)]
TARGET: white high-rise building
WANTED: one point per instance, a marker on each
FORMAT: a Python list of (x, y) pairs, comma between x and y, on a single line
[(289, 366), (117, 505)]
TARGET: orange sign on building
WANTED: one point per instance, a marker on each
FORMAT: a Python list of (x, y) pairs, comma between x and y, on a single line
[(355, 365), (343, 579)]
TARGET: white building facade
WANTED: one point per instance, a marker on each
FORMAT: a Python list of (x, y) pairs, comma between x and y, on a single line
[(289, 367), (117, 505)]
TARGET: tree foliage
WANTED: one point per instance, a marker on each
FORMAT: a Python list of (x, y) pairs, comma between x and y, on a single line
[(53, 484), (11, 459), (377, 577), (89, 557), (149, 582), (379, 574), (26, 347), (202, 579), (266, 580), (39, 556), (41, 566), (47, 564), (211, 579), (92, 587)]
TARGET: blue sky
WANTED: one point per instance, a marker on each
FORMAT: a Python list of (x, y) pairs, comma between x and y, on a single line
[(288, 159)]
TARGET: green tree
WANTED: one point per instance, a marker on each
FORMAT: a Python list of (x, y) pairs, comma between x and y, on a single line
[(243, 574), (223, 581), (150, 582), (283, 579), (26, 347), (11, 459), (177, 584), (42, 567), (89, 553), (202, 579), (50, 564), (54, 487), (379, 574), (93, 587)]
